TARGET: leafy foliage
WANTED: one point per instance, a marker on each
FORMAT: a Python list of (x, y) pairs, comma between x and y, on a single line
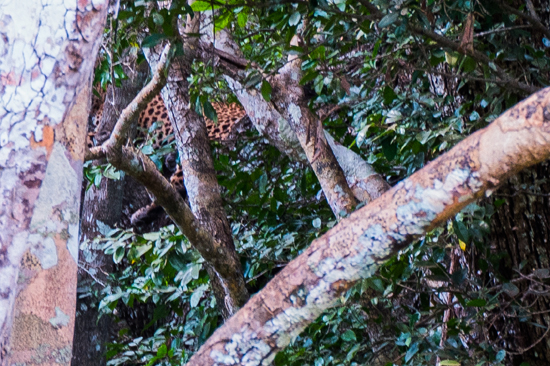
[(405, 83)]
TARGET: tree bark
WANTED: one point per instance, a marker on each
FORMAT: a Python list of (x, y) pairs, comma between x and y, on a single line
[(143, 170), (199, 176), (101, 211), (290, 101), (356, 247), (48, 56)]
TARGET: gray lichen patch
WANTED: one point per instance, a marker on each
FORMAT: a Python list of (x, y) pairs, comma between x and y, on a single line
[(60, 320), (58, 192)]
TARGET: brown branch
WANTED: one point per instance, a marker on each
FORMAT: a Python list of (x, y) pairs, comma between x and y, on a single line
[(476, 55), (152, 89), (141, 168), (530, 18)]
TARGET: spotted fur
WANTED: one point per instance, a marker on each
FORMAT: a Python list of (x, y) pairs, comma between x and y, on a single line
[(231, 117)]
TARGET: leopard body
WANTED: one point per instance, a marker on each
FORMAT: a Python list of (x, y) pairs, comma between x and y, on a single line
[(154, 125)]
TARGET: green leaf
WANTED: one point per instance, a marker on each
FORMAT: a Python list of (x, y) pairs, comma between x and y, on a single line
[(500, 355), (262, 183), (348, 336), (152, 362), (197, 295), (209, 111), (389, 149), (162, 351), (449, 363), (253, 80), (294, 19), (389, 95), (510, 289), (223, 21), (308, 77), (266, 90), (118, 255), (411, 352), (476, 303), (242, 18), (316, 223), (388, 20), (469, 64), (152, 40), (203, 5), (158, 19), (461, 231), (151, 236)]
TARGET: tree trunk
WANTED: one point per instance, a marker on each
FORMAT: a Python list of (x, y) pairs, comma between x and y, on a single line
[(521, 230), (201, 182), (47, 59), (101, 211)]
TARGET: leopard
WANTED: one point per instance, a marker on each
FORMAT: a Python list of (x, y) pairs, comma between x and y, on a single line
[(232, 119)]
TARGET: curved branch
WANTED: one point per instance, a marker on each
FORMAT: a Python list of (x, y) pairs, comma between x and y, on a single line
[(138, 104)]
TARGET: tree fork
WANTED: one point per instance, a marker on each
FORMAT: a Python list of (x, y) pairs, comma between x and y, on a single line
[(199, 175), (358, 245), (140, 167)]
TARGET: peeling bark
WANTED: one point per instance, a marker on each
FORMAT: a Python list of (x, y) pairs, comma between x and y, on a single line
[(48, 55), (201, 182), (356, 247)]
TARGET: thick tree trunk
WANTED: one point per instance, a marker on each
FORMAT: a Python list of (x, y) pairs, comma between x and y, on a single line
[(356, 247), (521, 230), (48, 56), (200, 178), (101, 211)]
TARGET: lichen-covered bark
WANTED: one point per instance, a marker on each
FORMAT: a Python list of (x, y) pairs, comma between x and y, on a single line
[(200, 178), (356, 247), (47, 54)]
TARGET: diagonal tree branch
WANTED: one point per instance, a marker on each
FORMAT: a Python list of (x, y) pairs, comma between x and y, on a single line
[(476, 55), (364, 182), (358, 245), (531, 18), (199, 175)]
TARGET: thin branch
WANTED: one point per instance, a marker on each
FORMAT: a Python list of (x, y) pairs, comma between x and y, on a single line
[(533, 20), (476, 55), (116, 140), (499, 30)]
